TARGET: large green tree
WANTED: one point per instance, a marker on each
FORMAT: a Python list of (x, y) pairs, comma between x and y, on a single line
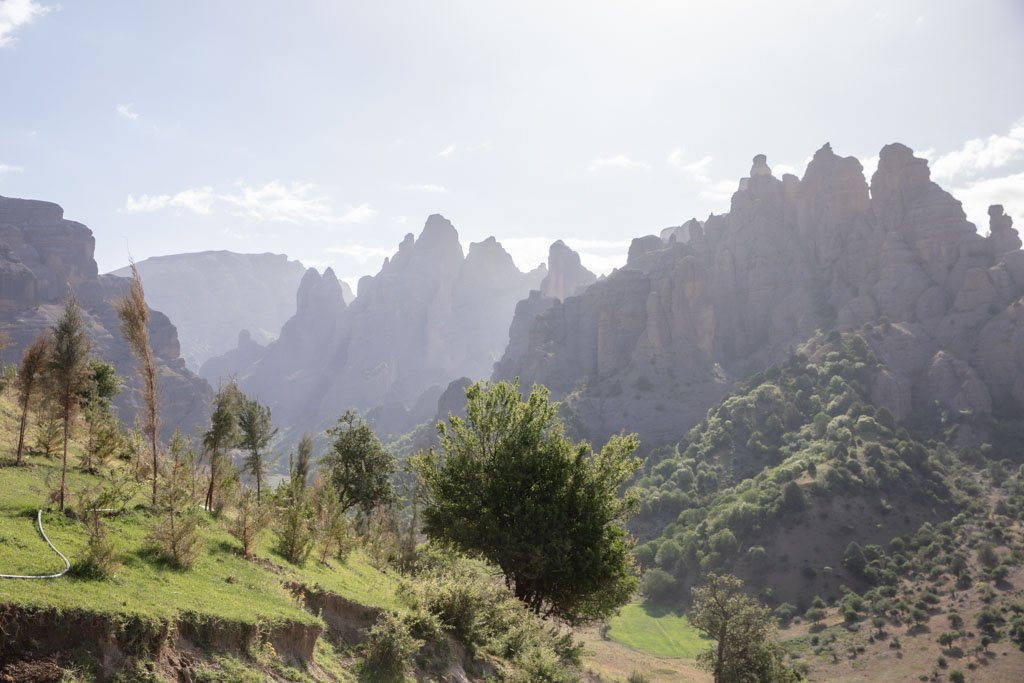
[(745, 648), (68, 372), (257, 429), (510, 486), (358, 465)]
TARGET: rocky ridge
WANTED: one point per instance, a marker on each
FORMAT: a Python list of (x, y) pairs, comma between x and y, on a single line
[(651, 347), (43, 256), (430, 315)]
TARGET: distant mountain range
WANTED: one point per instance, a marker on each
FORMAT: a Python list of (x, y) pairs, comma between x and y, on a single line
[(213, 295)]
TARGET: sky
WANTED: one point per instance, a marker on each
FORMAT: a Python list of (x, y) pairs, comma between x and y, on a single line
[(328, 130)]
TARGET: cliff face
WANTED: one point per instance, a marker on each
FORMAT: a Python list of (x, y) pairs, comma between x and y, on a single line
[(652, 346), (212, 295), (42, 257), (430, 315)]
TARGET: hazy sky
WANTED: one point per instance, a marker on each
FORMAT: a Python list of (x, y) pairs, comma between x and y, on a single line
[(327, 130)]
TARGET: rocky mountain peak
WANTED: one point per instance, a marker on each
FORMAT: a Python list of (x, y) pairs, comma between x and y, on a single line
[(566, 274)]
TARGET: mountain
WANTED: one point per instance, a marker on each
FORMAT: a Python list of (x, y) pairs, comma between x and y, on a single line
[(43, 256), (651, 347), (212, 295), (432, 314)]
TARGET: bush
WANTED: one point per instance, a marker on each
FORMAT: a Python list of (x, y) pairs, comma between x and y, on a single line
[(658, 585), (387, 654)]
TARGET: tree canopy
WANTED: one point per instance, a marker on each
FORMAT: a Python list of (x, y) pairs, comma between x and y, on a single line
[(358, 465), (744, 631), (509, 485)]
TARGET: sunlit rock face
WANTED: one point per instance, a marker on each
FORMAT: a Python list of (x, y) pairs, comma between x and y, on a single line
[(657, 342), (43, 257), (211, 296), (433, 313)]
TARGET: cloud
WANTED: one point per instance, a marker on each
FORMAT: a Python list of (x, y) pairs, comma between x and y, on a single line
[(360, 253), (127, 111), (358, 214), (15, 14), (274, 201), (8, 168), (447, 151), (200, 200), (977, 196), (619, 161), (429, 187), (981, 154), (696, 171)]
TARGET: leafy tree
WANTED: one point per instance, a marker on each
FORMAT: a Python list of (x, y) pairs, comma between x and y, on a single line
[(251, 518), (30, 374), (134, 316), (223, 433), (854, 560), (657, 585), (511, 487), (256, 430), (358, 465), (746, 649), (68, 370)]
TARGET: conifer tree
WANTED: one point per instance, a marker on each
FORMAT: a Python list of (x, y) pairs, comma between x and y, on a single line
[(257, 430), (68, 370), (176, 534), (30, 375), (303, 460), (222, 435)]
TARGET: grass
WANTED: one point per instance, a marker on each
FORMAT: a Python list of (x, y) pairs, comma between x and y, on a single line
[(667, 635), (222, 583)]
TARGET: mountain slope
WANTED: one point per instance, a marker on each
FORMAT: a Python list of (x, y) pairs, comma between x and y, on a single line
[(654, 345), (211, 296), (42, 258)]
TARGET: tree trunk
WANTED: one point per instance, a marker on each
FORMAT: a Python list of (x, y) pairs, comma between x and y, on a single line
[(64, 467), (21, 430), (153, 437), (258, 476), (213, 478)]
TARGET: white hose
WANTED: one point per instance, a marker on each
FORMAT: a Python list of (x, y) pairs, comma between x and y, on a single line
[(67, 565)]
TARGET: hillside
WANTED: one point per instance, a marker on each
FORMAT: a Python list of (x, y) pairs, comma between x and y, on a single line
[(228, 618), (211, 296)]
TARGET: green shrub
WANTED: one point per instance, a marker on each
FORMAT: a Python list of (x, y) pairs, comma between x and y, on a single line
[(387, 654)]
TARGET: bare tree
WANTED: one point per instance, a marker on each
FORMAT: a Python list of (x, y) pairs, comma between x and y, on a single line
[(68, 367), (30, 373), (134, 315)]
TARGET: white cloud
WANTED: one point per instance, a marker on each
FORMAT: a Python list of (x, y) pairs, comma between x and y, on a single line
[(981, 154), (979, 195), (358, 214), (619, 161), (360, 253), (199, 200), (17, 13), (8, 168), (293, 202), (694, 170), (430, 187), (447, 151), (274, 201), (128, 111)]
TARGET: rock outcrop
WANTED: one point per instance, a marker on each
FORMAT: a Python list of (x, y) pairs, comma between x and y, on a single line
[(567, 275), (430, 315), (212, 295), (43, 257), (657, 342)]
